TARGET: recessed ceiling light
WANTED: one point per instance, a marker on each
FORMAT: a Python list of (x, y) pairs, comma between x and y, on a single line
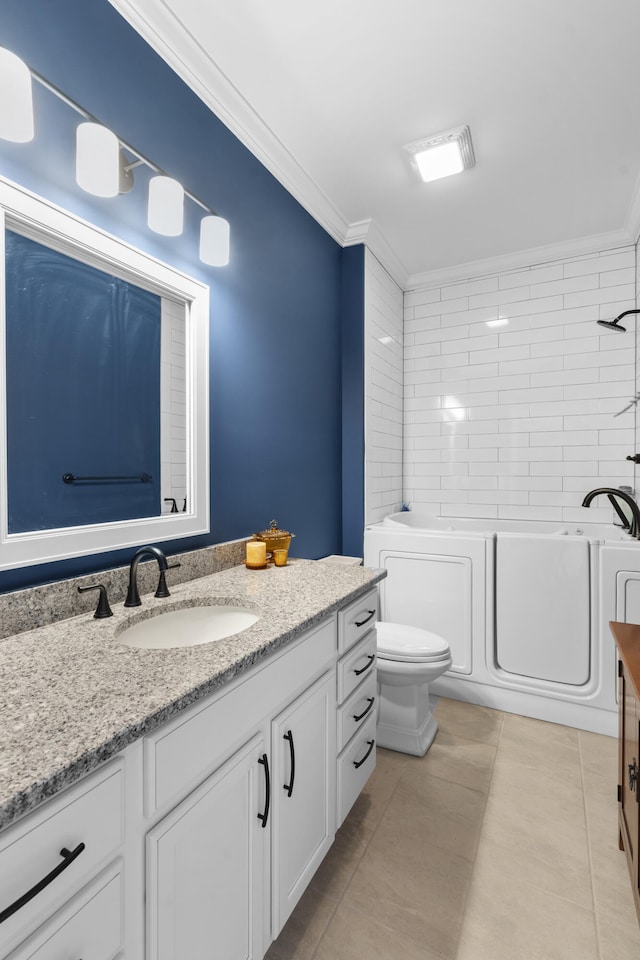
[(443, 154), (386, 340)]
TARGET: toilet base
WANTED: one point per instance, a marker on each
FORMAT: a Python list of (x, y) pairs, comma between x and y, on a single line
[(405, 721)]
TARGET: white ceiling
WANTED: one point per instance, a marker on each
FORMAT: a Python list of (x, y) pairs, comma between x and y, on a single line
[(327, 94)]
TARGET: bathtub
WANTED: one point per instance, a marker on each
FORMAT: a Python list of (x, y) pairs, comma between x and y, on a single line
[(524, 605)]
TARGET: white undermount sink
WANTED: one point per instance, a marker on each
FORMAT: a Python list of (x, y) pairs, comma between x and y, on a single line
[(187, 627)]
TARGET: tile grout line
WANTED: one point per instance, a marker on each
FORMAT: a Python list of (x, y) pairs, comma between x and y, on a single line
[(353, 873), (475, 855), (596, 921)]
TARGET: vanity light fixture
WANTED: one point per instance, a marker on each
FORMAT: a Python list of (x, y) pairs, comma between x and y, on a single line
[(103, 167), (16, 103), (442, 154), (97, 160), (165, 213), (214, 241)]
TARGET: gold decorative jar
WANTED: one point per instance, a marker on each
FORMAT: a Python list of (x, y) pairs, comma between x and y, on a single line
[(274, 537)]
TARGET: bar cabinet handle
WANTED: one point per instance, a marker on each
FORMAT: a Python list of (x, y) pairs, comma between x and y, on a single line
[(361, 623), (359, 717), (289, 786), (358, 763), (264, 760), (69, 857), (370, 660)]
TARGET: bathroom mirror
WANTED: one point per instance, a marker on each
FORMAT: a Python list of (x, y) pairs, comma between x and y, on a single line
[(104, 400)]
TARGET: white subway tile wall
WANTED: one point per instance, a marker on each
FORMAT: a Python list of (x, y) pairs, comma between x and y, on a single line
[(512, 392), (383, 301), (173, 405)]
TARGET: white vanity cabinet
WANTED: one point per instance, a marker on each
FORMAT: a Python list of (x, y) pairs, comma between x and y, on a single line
[(226, 865), (357, 700), (304, 823), (206, 863), (51, 856), (198, 839)]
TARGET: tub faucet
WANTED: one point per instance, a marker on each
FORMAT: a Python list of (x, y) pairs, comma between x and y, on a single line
[(613, 494), (133, 597)]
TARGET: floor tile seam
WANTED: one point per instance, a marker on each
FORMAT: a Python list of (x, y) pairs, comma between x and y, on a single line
[(357, 863), (374, 830), (325, 927), (456, 783), (596, 919), (392, 930), (470, 879)]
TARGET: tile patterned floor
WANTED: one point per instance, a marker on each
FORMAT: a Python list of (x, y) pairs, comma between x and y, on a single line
[(500, 844)]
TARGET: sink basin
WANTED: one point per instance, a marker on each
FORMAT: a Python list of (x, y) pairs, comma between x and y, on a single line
[(188, 627)]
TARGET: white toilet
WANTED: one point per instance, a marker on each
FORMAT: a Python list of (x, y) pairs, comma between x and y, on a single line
[(408, 660)]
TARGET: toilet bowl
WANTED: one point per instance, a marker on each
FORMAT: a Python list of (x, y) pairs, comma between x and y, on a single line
[(408, 660)]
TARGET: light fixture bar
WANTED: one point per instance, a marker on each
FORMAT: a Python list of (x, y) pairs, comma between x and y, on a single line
[(140, 158)]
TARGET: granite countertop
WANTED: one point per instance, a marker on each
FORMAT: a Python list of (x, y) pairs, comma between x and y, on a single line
[(73, 695)]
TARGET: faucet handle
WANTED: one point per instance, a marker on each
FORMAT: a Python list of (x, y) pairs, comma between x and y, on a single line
[(163, 590), (103, 609)]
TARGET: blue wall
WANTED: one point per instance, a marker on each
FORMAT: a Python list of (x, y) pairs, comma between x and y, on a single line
[(276, 310), (353, 402)]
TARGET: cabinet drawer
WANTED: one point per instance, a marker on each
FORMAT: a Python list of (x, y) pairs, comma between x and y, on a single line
[(356, 619), (355, 765), (355, 711), (90, 813), (182, 753), (90, 926), (357, 665)]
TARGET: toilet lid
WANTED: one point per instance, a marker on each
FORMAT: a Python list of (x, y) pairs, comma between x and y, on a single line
[(396, 641)]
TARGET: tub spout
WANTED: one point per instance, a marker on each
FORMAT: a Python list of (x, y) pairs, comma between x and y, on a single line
[(614, 495)]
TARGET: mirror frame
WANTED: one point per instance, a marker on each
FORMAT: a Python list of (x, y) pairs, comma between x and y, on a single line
[(43, 221)]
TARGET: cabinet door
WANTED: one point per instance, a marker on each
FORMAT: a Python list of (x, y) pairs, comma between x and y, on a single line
[(304, 757), (629, 768), (206, 868)]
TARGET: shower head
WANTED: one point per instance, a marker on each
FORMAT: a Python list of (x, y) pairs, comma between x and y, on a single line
[(612, 325), (615, 324)]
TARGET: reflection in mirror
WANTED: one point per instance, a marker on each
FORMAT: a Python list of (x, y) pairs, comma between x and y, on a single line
[(105, 439), (95, 393)]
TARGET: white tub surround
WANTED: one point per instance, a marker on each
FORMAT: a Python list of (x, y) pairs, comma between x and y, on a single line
[(511, 388), (524, 607)]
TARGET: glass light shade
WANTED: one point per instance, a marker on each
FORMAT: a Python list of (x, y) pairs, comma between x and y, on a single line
[(166, 206), (440, 161), (97, 160), (214, 241), (16, 102)]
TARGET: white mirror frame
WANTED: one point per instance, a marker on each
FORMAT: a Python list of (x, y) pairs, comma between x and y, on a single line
[(43, 221)]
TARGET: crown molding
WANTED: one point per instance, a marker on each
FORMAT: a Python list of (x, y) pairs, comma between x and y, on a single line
[(565, 250), (367, 232), (158, 26)]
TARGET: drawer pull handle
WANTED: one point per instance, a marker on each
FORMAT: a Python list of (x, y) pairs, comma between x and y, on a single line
[(370, 660), (633, 777), (289, 786), (358, 763), (69, 857), (361, 623), (359, 717), (264, 760)]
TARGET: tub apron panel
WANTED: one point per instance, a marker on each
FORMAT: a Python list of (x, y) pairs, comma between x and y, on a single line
[(543, 628)]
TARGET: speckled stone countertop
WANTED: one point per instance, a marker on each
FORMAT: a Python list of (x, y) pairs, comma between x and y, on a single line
[(73, 695)]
